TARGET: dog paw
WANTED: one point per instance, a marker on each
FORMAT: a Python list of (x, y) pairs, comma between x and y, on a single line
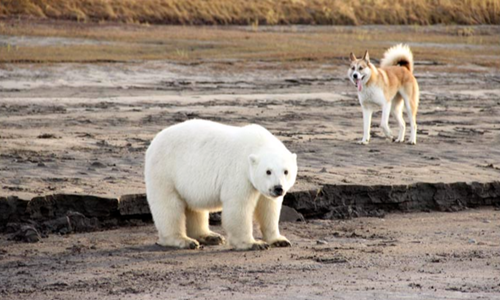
[(398, 140), (412, 142), (362, 142)]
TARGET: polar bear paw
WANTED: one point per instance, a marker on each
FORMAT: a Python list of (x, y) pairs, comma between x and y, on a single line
[(259, 245), (252, 246), (283, 242), (213, 239), (182, 243)]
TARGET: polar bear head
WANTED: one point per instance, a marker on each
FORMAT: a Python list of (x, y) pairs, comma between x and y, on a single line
[(273, 174)]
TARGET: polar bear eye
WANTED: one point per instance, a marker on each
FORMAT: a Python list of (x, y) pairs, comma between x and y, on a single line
[(286, 172), (268, 172)]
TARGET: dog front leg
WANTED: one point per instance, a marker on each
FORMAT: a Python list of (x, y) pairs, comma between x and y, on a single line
[(367, 121)]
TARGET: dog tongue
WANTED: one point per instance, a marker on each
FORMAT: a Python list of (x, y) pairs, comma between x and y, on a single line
[(359, 84)]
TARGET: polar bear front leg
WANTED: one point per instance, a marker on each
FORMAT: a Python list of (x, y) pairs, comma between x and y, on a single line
[(198, 228), (237, 220), (267, 214), (168, 211)]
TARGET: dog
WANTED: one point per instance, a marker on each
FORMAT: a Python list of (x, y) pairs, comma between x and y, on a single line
[(390, 87)]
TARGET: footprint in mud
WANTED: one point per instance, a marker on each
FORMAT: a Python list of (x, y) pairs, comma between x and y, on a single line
[(98, 164), (47, 136)]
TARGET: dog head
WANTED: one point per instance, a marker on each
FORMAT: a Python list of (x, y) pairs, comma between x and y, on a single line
[(359, 71)]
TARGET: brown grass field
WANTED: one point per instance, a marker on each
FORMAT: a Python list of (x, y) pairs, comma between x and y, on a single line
[(86, 84), (292, 45), (270, 12)]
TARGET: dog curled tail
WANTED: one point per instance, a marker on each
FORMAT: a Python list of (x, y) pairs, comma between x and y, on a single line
[(399, 55)]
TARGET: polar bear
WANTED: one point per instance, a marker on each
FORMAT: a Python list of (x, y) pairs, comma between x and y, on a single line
[(198, 166)]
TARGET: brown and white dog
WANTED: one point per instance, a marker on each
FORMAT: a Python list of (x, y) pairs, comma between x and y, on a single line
[(391, 86)]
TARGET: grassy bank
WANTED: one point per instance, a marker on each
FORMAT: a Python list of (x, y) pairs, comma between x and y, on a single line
[(258, 12)]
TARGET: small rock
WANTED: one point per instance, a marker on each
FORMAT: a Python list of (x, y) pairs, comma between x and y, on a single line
[(472, 241), (80, 223), (289, 214), (27, 233), (321, 242)]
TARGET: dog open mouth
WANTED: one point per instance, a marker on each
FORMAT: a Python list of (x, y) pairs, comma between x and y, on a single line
[(359, 83)]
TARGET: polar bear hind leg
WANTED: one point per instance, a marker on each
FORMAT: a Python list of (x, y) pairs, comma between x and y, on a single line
[(168, 211), (197, 228)]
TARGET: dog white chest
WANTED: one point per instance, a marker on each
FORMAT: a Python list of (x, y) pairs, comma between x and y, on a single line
[(371, 97)]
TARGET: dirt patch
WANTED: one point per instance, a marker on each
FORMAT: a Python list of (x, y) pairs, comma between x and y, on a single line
[(93, 143), (72, 131), (411, 256)]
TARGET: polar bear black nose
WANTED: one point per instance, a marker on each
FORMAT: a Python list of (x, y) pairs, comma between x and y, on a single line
[(278, 190)]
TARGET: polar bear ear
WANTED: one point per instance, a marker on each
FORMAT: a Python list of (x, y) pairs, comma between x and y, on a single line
[(253, 159)]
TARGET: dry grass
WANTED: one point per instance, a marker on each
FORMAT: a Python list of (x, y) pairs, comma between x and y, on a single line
[(290, 45), (255, 12)]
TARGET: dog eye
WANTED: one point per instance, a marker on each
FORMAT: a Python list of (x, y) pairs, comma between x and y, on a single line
[(360, 68), (268, 172), (286, 172), (352, 68)]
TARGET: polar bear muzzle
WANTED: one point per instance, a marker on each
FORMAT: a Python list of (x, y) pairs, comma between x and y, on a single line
[(277, 191)]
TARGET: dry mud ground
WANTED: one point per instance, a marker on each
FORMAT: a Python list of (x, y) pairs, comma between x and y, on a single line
[(404, 256), (83, 128)]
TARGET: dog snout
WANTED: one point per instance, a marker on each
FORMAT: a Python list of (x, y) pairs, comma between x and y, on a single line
[(355, 75), (278, 190)]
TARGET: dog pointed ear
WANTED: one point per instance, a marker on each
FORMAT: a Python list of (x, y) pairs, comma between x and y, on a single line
[(366, 56), (352, 57)]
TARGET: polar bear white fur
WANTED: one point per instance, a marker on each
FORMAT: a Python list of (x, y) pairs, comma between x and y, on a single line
[(199, 166)]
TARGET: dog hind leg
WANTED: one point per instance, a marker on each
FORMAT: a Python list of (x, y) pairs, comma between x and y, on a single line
[(411, 103), (397, 112), (384, 122)]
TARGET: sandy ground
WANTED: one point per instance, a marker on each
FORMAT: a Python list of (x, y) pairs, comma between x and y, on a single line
[(84, 128), (81, 135), (412, 256)]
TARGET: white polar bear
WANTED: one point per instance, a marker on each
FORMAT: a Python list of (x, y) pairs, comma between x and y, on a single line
[(199, 166)]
